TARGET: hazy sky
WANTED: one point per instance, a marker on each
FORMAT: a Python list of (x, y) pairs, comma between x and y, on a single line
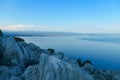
[(60, 15)]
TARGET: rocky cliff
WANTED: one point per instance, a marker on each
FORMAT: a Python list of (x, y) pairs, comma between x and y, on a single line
[(26, 61)]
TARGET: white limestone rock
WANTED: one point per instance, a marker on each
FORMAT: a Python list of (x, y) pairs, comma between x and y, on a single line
[(59, 55), (88, 67), (51, 68), (11, 52)]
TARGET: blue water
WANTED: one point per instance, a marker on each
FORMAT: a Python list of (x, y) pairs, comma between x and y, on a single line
[(103, 52)]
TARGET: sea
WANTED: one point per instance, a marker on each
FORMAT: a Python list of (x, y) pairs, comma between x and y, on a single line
[(103, 51)]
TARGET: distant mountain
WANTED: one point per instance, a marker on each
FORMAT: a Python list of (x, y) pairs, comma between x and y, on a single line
[(46, 33), (38, 33)]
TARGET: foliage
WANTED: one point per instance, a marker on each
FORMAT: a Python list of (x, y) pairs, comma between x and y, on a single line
[(51, 50), (1, 33), (87, 61), (17, 39), (80, 63)]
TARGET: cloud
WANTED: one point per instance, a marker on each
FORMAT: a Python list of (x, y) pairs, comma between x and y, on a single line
[(22, 27), (18, 27)]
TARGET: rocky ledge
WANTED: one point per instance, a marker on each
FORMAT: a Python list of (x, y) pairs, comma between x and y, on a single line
[(26, 61)]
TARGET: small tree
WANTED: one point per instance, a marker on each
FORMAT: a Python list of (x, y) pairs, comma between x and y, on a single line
[(87, 61), (1, 33), (51, 50), (18, 39), (80, 63)]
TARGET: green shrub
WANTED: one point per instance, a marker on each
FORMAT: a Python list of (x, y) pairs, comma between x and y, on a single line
[(17, 39), (87, 61), (80, 63), (1, 33), (51, 50)]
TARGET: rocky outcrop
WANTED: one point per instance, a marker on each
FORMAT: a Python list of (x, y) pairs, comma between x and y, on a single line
[(26, 61), (98, 74), (17, 53), (22, 61), (51, 68)]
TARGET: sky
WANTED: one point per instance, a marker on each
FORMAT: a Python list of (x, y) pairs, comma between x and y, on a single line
[(83, 16)]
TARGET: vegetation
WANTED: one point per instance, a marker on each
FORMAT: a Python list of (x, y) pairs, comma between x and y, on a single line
[(51, 50), (80, 63), (1, 33), (19, 39), (87, 61)]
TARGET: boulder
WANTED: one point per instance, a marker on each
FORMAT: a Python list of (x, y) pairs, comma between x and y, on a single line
[(88, 67)]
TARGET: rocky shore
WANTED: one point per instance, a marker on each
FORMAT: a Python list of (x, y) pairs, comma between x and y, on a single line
[(26, 61)]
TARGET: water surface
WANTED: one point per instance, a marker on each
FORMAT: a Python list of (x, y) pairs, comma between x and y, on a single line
[(103, 52)]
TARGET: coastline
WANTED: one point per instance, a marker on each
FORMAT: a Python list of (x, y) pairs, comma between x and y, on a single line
[(21, 59)]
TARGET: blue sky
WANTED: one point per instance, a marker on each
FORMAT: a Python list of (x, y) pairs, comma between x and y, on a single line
[(60, 15)]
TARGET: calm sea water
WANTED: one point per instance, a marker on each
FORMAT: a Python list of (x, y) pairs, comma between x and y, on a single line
[(103, 52)]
